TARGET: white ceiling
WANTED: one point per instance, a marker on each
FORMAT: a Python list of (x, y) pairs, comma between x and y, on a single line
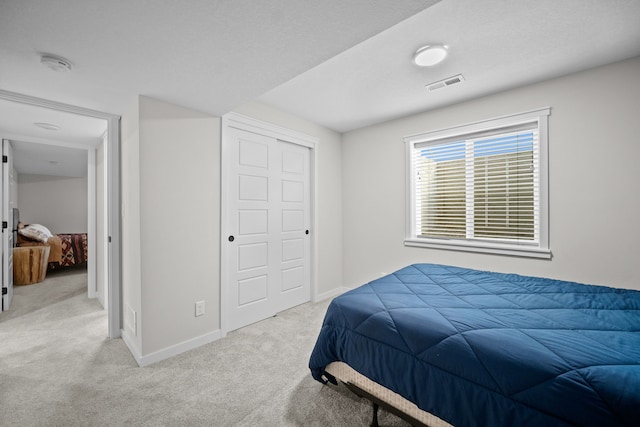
[(343, 64), (495, 44), (37, 159), (37, 151), (210, 55)]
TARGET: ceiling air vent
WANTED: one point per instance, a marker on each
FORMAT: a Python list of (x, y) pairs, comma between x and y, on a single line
[(449, 81)]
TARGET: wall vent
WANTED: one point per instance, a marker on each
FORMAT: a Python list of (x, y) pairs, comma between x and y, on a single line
[(449, 81)]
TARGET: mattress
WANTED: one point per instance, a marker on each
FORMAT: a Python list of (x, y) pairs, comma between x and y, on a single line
[(489, 349)]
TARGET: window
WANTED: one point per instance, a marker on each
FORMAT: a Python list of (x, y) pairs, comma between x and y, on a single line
[(481, 187)]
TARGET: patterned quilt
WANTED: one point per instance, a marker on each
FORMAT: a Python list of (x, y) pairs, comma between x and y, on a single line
[(74, 250)]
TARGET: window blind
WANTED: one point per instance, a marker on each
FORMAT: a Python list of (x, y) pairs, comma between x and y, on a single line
[(479, 186)]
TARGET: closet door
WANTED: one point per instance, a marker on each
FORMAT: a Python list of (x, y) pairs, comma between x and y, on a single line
[(251, 240), (295, 216), (268, 215)]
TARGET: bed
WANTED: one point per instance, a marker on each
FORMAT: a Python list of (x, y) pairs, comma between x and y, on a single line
[(66, 249), (465, 347), (73, 251)]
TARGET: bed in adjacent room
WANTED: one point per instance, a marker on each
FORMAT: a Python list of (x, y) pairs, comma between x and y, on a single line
[(444, 345), (66, 249), (73, 250)]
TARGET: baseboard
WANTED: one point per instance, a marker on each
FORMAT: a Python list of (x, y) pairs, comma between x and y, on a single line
[(171, 351), (128, 341), (101, 301), (331, 294)]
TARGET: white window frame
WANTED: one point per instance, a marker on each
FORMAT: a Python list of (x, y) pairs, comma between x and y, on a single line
[(539, 250)]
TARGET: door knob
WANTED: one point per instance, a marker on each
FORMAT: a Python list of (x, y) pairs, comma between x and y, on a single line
[(231, 238), (306, 232)]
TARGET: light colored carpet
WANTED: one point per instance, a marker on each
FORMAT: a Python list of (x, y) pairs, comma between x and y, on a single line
[(57, 368)]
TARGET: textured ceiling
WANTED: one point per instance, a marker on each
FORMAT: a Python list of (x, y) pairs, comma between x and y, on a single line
[(209, 55)]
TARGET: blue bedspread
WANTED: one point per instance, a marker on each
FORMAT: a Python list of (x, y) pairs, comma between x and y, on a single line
[(487, 349)]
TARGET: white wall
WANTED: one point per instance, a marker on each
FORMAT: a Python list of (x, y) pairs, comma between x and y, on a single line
[(594, 178), (170, 225), (179, 223), (329, 188), (130, 226), (58, 203)]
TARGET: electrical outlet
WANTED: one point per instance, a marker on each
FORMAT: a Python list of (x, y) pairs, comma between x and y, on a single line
[(199, 308)]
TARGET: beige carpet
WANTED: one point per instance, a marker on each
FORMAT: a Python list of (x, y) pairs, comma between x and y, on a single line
[(57, 368)]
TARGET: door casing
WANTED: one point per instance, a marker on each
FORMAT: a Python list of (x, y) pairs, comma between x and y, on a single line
[(113, 189)]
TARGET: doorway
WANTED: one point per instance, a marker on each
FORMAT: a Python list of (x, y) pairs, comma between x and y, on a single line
[(111, 221)]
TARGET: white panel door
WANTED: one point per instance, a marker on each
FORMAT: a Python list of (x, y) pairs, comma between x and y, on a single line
[(268, 262), (7, 232), (294, 262), (250, 243)]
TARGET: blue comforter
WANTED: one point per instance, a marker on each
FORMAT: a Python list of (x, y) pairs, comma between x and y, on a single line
[(487, 349)]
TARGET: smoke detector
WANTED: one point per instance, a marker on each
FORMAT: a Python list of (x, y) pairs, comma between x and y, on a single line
[(449, 81), (55, 63)]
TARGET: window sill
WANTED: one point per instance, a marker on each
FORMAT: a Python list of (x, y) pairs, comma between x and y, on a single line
[(480, 247)]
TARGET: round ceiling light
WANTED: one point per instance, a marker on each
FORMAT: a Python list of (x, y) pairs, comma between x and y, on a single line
[(430, 55), (55, 63)]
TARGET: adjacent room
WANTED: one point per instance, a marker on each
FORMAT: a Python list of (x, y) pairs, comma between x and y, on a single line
[(51, 204), (320, 213)]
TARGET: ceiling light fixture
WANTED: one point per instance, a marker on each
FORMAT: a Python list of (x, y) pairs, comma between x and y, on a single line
[(430, 55), (55, 63), (47, 126)]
